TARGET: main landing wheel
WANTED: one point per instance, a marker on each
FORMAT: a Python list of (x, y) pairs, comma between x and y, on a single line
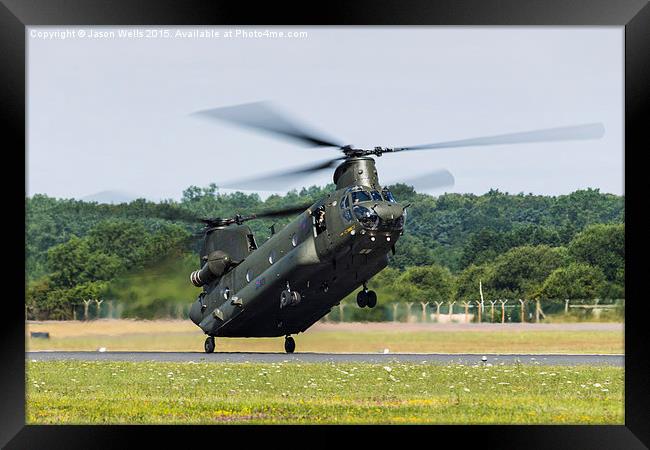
[(289, 344), (362, 299), (209, 344), (371, 299)]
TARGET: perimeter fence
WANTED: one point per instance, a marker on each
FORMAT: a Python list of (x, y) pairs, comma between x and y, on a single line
[(488, 311)]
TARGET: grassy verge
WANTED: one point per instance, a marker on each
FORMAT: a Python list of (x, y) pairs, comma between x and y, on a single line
[(76, 392), (360, 340)]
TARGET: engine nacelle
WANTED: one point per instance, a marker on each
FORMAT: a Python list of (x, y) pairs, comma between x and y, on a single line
[(218, 263)]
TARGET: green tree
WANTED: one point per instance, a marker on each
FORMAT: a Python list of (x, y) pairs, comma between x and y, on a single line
[(36, 298), (520, 272), (602, 246), (75, 263), (483, 247), (411, 251), (575, 281), (467, 283), (426, 283)]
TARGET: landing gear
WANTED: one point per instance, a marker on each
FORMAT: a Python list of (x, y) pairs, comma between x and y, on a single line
[(209, 344), (289, 297), (289, 344), (366, 298)]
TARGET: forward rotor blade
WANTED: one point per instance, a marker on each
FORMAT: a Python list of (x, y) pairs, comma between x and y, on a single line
[(280, 180), (260, 116), (432, 180), (577, 132)]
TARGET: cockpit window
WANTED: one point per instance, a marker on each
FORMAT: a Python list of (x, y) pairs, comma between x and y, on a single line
[(376, 196), (360, 196), (388, 195), (344, 202)]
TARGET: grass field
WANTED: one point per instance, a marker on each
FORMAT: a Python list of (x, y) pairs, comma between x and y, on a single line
[(330, 337), (77, 392)]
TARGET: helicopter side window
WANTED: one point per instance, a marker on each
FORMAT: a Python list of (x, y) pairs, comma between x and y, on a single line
[(376, 196), (252, 245), (319, 220), (360, 196), (347, 215), (388, 195)]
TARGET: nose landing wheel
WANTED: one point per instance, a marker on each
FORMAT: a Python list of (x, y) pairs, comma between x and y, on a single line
[(209, 344), (289, 344)]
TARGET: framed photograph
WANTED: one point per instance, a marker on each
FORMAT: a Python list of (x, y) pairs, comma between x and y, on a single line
[(435, 194)]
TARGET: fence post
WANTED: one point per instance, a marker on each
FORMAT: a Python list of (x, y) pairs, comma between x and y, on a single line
[(503, 310), (99, 307), (438, 311), (566, 306), (466, 311), (424, 310), (523, 310), (479, 307), (451, 309), (110, 308), (395, 312), (492, 310), (408, 311), (86, 306)]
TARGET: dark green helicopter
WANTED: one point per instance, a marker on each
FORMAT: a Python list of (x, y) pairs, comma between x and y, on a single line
[(333, 246)]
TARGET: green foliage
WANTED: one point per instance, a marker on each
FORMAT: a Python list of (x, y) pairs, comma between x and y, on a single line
[(602, 246), (520, 272), (47, 301), (575, 281), (426, 283), (412, 251), (75, 262), (468, 280)]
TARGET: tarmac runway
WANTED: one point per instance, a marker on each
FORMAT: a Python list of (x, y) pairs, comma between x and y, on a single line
[(431, 358)]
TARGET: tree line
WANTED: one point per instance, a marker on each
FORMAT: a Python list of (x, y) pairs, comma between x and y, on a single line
[(518, 246)]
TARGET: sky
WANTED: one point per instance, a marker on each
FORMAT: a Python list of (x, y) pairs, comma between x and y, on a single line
[(113, 112)]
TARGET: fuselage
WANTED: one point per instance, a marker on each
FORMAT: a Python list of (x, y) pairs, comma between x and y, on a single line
[(324, 254)]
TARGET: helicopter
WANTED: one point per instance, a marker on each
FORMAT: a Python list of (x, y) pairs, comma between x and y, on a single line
[(331, 248)]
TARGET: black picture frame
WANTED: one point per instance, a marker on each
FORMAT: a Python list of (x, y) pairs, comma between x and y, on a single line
[(634, 15)]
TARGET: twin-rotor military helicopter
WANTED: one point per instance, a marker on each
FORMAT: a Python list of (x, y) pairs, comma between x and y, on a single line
[(331, 248)]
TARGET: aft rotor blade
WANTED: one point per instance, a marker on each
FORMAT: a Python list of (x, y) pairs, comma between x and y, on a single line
[(577, 132), (260, 116), (167, 211), (289, 211), (282, 179), (432, 180), (176, 213)]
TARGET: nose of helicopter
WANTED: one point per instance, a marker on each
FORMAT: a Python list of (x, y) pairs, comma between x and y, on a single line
[(390, 214)]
